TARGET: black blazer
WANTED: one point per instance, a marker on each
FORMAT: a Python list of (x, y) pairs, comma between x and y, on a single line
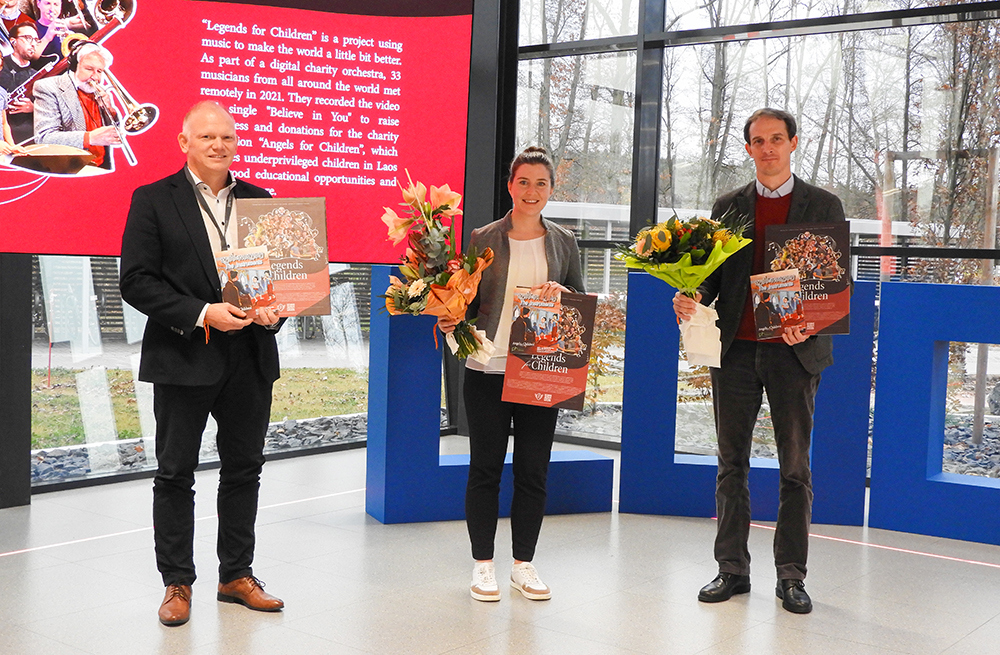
[(730, 283), (168, 273)]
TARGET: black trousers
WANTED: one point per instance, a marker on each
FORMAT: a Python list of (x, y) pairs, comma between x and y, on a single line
[(241, 404), (489, 428), (749, 369)]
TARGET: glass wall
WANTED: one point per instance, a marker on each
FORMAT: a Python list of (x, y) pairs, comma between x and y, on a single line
[(896, 112), (699, 15), (556, 21), (899, 123), (582, 109), (91, 416)]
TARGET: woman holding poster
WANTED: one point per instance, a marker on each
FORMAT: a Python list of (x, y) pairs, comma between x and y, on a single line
[(529, 251)]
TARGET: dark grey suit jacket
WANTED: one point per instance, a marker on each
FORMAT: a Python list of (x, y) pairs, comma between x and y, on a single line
[(168, 273), (730, 283)]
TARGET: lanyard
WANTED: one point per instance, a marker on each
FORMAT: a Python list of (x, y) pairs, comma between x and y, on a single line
[(204, 205)]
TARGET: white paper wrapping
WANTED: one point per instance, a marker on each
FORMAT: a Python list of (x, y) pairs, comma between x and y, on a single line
[(702, 340), (483, 353)]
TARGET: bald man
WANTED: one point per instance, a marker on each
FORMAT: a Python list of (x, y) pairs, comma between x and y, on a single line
[(204, 356)]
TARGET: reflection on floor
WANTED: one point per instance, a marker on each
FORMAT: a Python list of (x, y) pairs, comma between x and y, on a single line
[(77, 576)]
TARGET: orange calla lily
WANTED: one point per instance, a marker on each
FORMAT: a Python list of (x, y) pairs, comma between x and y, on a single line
[(391, 307)]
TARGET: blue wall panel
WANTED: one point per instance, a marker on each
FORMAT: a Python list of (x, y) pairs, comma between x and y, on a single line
[(909, 492)]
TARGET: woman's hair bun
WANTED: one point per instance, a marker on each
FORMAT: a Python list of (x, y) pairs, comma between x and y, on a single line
[(534, 155)]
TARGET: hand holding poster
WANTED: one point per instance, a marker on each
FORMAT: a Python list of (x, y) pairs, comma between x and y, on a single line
[(549, 353)]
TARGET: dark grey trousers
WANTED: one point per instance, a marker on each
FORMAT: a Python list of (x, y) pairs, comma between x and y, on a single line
[(748, 370)]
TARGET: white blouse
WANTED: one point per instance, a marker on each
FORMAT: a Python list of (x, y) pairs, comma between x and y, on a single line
[(528, 267)]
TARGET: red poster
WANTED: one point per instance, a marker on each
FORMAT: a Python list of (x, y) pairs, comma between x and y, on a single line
[(777, 303), (821, 254), (245, 276), (293, 230), (549, 353)]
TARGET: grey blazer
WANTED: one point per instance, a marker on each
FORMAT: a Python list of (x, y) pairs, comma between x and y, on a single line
[(58, 113), (730, 283), (561, 254)]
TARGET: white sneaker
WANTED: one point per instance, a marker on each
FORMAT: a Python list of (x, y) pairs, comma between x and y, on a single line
[(524, 578), (484, 582)]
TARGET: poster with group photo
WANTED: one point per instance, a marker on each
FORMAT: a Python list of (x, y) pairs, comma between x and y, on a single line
[(549, 352), (245, 276), (821, 254), (293, 233), (777, 303)]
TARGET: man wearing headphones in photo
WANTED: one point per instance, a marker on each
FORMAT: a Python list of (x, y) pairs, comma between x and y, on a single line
[(67, 107)]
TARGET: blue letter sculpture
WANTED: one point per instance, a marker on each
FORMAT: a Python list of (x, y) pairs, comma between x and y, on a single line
[(408, 480), (909, 491), (655, 480)]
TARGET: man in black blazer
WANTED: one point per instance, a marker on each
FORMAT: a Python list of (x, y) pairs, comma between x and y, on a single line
[(788, 369), (203, 356)]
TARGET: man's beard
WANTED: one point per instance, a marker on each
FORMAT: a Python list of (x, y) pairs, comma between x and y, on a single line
[(86, 87)]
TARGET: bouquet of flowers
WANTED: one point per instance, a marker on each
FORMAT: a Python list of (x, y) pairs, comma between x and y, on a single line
[(439, 280), (683, 254)]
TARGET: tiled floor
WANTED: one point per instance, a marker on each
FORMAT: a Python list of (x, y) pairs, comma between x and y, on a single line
[(86, 582)]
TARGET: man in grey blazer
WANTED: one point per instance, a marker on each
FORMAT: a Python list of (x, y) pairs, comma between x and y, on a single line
[(788, 369), (66, 106)]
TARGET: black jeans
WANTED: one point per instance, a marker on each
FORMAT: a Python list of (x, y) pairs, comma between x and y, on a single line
[(489, 428), (241, 404), (748, 369)]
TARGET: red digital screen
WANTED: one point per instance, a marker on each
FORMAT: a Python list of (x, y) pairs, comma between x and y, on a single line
[(327, 104)]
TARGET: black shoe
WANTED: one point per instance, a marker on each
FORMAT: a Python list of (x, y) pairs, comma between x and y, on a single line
[(723, 587), (793, 596)]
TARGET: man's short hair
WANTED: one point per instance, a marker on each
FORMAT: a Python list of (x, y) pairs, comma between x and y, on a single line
[(780, 114), (20, 27)]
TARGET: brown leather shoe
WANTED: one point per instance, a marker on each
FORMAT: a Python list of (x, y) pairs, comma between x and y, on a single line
[(176, 606), (249, 592)]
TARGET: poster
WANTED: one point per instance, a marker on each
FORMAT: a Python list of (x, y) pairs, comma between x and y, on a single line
[(549, 352), (777, 303), (245, 277), (293, 232), (821, 254)]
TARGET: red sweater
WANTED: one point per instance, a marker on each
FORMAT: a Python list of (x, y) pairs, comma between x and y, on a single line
[(768, 211)]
